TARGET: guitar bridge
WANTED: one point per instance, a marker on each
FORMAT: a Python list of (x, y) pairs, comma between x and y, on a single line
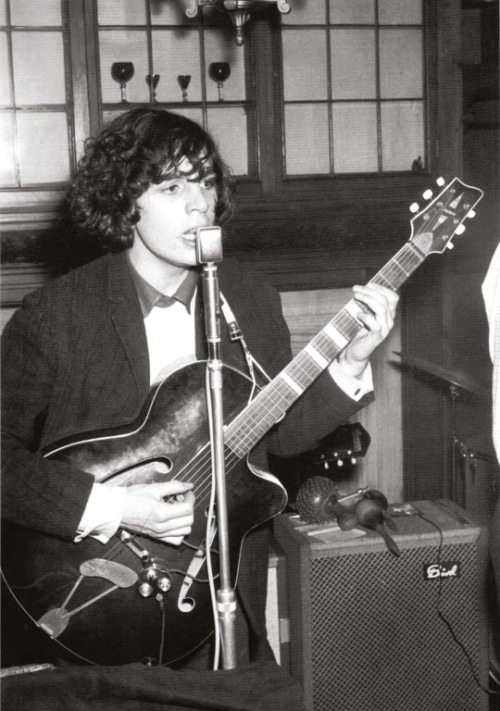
[(141, 553)]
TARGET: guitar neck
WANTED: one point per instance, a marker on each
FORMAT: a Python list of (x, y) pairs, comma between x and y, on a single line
[(248, 428)]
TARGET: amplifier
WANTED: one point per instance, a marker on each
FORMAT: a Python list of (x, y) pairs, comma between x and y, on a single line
[(370, 631)]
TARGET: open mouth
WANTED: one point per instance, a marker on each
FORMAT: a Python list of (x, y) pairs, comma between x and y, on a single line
[(190, 236)]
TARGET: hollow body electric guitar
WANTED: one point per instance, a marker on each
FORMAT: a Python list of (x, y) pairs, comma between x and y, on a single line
[(136, 598)]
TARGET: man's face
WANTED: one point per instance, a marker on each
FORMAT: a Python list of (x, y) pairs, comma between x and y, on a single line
[(170, 214)]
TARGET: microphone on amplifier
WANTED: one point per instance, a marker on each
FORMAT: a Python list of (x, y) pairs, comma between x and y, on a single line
[(371, 512), (317, 502)]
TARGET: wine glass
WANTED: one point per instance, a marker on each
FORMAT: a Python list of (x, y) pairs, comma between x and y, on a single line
[(183, 80), (122, 72), (219, 72), (152, 81)]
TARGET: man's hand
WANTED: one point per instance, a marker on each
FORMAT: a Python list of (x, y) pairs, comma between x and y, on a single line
[(382, 303), (147, 512)]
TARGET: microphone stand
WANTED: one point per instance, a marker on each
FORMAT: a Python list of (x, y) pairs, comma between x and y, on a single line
[(208, 252)]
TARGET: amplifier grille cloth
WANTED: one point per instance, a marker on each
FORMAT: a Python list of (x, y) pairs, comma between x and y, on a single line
[(378, 641)]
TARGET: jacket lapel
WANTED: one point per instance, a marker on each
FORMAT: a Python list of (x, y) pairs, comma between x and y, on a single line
[(127, 319)]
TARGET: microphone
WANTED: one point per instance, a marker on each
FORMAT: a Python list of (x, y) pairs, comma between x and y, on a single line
[(317, 502), (208, 245), (371, 512)]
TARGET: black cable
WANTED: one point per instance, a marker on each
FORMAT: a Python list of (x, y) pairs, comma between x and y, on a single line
[(443, 617)]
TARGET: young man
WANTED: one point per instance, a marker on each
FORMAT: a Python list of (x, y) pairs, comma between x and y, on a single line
[(82, 353)]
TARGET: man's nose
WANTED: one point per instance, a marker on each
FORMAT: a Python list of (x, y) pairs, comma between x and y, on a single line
[(197, 199)]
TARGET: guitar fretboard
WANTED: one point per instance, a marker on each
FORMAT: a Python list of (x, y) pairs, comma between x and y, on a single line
[(248, 428)]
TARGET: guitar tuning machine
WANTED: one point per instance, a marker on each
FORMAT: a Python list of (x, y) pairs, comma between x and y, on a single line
[(154, 579), (440, 181), (471, 214), (414, 207), (427, 195), (460, 230)]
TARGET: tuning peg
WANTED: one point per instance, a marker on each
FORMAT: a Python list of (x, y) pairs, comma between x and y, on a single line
[(460, 230), (440, 181), (471, 214), (414, 207), (427, 195), (450, 245)]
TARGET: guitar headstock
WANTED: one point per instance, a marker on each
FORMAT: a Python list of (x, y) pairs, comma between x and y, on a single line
[(434, 227), (342, 446)]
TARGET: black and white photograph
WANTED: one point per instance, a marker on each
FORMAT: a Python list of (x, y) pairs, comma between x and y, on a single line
[(250, 355)]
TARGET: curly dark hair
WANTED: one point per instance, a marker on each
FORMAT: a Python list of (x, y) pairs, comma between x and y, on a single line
[(138, 148)]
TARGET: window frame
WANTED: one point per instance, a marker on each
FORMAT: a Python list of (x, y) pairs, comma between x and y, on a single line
[(271, 190)]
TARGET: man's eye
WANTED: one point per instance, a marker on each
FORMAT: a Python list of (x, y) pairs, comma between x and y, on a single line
[(208, 183), (171, 189)]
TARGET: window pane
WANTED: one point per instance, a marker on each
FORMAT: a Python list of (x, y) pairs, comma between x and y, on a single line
[(307, 141), (124, 46), (3, 12), (401, 63), (193, 114), (121, 12), (38, 68), (43, 148), (7, 164), (355, 138), (176, 53), (5, 92), (28, 12), (402, 134), (353, 64), (306, 13), (352, 12), (221, 47), (400, 12), (228, 126), (304, 65)]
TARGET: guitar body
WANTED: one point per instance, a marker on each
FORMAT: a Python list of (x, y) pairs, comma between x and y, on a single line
[(122, 626)]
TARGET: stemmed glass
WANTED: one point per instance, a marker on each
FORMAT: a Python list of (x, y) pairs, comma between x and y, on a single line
[(122, 72), (183, 81), (219, 72), (152, 81)]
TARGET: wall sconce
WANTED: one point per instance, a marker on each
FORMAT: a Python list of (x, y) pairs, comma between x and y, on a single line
[(238, 10)]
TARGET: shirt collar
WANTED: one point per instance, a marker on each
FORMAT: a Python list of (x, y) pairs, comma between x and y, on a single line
[(149, 296)]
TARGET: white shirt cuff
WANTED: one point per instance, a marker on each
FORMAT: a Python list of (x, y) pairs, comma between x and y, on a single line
[(356, 388), (103, 513)]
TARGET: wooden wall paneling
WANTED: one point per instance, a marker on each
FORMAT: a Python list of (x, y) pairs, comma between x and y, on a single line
[(425, 402)]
